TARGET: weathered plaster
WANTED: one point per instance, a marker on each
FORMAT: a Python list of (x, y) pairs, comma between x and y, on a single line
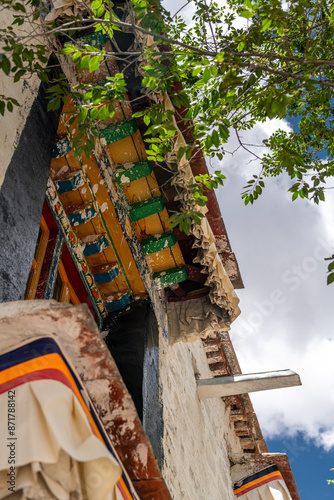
[(197, 434), (25, 92), (22, 196), (74, 328)]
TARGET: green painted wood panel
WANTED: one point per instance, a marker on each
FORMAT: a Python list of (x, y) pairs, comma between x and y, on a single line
[(130, 172), (118, 131), (94, 39), (158, 242), (146, 208), (170, 276)]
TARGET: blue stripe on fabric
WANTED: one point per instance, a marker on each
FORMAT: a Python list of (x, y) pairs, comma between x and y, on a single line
[(47, 345), (258, 475)]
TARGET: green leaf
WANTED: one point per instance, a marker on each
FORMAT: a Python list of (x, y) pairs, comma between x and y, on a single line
[(224, 132), (241, 46), (19, 7), (331, 266), (66, 50), (214, 70), (215, 138), (94, 113), (82, 115), (94, 63), (19, 74), (83, 63), (76, 56), (266, 23), (5, 64), (103, 113), (206, 75), (330, 278), (246, 13), (153, 22), (17, 60)]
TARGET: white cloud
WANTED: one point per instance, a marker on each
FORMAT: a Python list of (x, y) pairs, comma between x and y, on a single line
[(286, 319)]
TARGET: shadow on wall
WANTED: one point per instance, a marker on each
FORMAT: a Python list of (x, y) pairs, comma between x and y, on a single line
[(133, 340), (23, 192)]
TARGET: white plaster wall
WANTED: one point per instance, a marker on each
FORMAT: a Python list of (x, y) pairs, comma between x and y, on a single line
[(24, 91), (197, 434)]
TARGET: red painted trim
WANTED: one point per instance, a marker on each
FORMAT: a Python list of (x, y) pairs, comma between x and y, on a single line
[(75, 280), (70, 268)]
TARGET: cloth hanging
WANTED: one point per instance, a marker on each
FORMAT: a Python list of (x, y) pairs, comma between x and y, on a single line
[(188, 320), (67, 8), (267, 484), (55, 446)]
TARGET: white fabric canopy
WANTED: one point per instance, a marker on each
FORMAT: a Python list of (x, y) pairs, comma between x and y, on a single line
[(56, 453), (276, 490), (52, 443), (266, 484)]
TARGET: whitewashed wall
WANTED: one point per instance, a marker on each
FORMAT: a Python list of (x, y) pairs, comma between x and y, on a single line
[(197, 434), (24, 91)]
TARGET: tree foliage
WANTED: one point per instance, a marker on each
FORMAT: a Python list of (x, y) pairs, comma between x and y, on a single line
[(236, 63)]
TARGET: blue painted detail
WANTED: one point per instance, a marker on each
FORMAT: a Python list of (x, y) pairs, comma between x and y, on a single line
[(117, 305), (82, 215), (53, 271), (61, 148), (98, 312), (71, 183), (107, 276), (96, 247)]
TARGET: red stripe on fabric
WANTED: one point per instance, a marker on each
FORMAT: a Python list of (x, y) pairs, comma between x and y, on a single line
[(120, 488), (47, 373), (261, 483), (59, 376)]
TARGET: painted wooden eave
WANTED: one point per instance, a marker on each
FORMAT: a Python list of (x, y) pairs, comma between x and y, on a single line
[(120, 145), (222, 361)]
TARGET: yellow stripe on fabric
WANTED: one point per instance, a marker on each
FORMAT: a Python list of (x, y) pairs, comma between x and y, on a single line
[(48, 361), (55, 361), (125, 489), (273, 475)]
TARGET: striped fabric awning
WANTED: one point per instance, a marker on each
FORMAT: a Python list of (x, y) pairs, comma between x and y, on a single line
[(267, 484), (59, 447)]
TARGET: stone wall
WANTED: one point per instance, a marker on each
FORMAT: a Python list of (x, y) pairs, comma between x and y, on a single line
[(28, 135), (197, 434), (24, 91)]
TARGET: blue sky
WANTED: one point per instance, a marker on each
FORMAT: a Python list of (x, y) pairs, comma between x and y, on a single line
[(280, 246), (310, 464), (287, 312)]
